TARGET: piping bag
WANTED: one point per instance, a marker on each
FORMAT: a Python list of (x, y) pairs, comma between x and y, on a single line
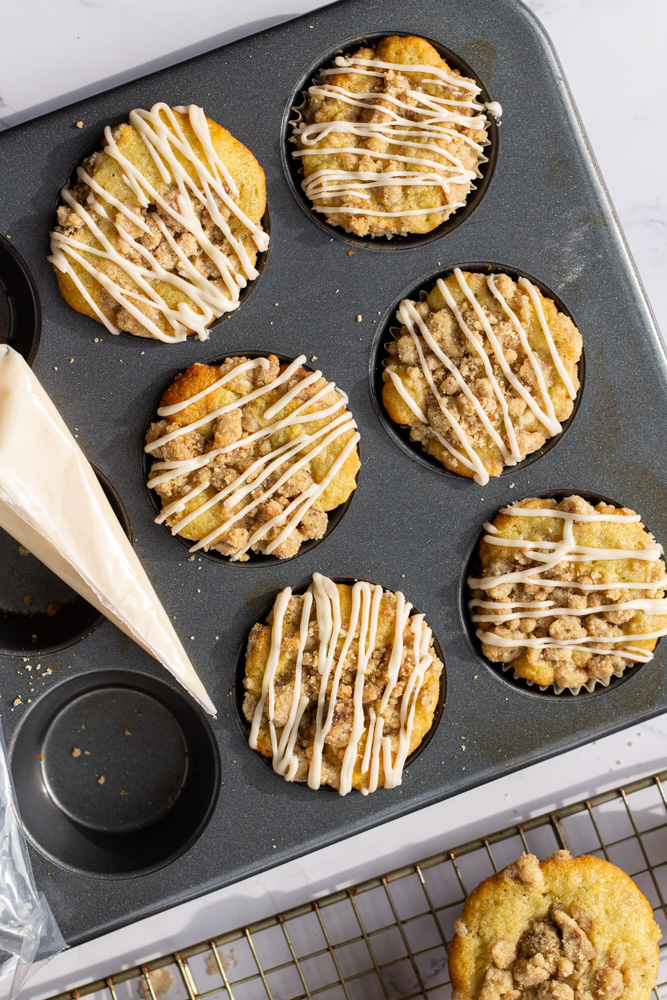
[(52, 503)]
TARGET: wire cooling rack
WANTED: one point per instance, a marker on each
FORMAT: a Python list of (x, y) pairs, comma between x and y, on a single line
[(386, 938)]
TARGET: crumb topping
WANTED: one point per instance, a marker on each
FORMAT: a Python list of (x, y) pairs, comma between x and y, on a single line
[(575, 597), (483, 372), (251, 455), (403, 134)]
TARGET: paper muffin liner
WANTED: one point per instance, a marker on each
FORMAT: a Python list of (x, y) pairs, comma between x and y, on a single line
[(588, 686)]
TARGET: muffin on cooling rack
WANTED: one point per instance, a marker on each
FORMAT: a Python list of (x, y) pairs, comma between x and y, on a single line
[(483, 371), (342, 684), (561, 929), (162, 228), (567, 593), (251, 456), (390, 139)]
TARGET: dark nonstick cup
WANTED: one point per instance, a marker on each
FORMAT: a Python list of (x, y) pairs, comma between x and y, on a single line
[(471, 567), (116, 773), (335, 516), (38, 611), (20, 309), (239, 689), (389, 328), (294, 173)]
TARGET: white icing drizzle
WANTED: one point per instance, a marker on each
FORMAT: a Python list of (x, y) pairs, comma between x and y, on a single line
[(175, 158), (433, 132), (323, 596), (544, 412), (293, 455), (548, 555)]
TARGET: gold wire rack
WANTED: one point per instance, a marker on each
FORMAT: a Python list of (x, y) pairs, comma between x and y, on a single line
[(386, 938)]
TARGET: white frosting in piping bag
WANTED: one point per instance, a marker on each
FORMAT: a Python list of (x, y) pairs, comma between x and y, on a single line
[(364, 615), (168, 147), (540, 403), (547, 555), (437, 126), (52, 502)]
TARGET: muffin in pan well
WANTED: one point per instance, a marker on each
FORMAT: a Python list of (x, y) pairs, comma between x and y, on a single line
[(391, 138), (251, 455), (568, 594), (483, 372), (162, 229), (561, 929), (342, 684)]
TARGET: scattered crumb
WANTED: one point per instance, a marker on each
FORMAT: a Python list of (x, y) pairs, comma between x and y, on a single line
[(122, 792), (127, 732), (161, 981), (276, 303), (23, 551), (71, 361), (475, 676), (359, 318), (76, 752), (192, 637), (314, 357), (79, 124), (17, 701), (28, 666), (463, 746), (27, 598), (101, 780), (96, 340), (52, 609), (350, 253), (87, 753), (41, 756), (217, 637), (337, 291), (191, 558), (55, 368), (511, 486)]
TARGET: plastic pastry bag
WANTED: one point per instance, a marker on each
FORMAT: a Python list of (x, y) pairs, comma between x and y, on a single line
[(29, 934)]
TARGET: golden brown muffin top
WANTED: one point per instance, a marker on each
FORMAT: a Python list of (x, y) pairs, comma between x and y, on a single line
[(568, 593), (161, 230), (558, 929), (341, 685), (251, 455), (392, 139), (483, 371)]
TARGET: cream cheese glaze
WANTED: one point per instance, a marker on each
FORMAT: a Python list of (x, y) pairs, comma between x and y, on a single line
[(323, 597), (170, 151), (51, 502), (440, 121)]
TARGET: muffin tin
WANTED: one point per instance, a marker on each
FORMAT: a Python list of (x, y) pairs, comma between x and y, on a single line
[(545, 212)]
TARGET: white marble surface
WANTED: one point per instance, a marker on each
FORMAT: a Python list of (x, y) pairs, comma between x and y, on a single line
[(613, 56)]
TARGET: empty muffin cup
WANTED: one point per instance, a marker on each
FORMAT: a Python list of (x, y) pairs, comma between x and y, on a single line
[(116, 772), (39, 612), (20, 310)]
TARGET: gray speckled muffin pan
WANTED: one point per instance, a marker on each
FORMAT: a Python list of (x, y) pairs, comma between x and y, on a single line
[(409, 526)]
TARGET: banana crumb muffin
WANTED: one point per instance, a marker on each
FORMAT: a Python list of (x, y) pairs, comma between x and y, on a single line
[(162, 228), (251, 455), (568, 593), (391, 139), (561, 929), (342, 684), (482, 372)]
